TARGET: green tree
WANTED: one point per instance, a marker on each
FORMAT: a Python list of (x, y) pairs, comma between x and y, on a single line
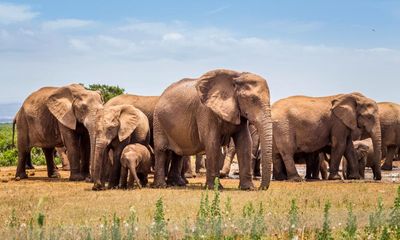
[(106, 91)]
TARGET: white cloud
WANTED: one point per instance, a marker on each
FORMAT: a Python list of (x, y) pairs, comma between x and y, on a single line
[(172, 36), (12, 13), (146, 58), (66, 23)]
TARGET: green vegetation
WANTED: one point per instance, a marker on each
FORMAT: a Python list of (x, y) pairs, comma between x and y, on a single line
[(106, 91), (210, 224), (9, 154)]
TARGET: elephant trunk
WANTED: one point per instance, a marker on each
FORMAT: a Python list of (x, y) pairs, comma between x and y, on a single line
[(264, 128), (134, 173), (377, 144), (99, 163)]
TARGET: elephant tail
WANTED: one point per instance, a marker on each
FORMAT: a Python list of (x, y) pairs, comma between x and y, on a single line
[(13, 132)]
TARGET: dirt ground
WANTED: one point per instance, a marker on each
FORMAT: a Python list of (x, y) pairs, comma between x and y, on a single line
[(73, 203)]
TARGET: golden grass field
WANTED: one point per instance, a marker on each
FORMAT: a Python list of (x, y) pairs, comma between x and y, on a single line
[(74, 203)]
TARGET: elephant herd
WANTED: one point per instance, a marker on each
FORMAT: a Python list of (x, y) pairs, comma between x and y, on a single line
[(120, 142)]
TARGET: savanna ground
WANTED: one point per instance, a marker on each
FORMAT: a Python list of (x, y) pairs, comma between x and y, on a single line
[(73, 205), (42, 208)]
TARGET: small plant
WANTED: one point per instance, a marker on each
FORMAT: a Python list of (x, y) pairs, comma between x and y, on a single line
[(326, 232), (394, 220), (258, 227), (159, 226), (13, 220), (116, 228), (385, 234), (215, 212), (104, 229), (376, 220), (132, 224), (293, 219), (350, 231)]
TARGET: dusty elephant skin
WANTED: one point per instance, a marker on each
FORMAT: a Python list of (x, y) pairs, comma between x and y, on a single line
[(196, 115), (138, 159), (309, 124), (116, 127), (389, 114), (52, 117)]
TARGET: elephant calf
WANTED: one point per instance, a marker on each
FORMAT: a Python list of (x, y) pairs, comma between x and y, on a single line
[(363, 149), (138, 159)]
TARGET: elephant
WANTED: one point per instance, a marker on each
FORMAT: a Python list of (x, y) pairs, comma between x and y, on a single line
[(363, 152), (200, 163), (255, 154), (116, 127), (146, 104), (55, 117), (62, 153), (309, 124), (138, 159), (389, 114), (202, 114)]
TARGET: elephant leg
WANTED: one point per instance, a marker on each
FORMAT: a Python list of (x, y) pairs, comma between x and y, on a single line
[(388, 165), (228, 159), (51, 167), (337, 151), (278, 168), (350, 155), (161, 157), (345, 167), (199, 162), (242, 141), (175, 173), (23, 155), (71, 142), (362, 164), (292, 174), (85, 154), (323, 167), (213, 157), (256, 167), (29, 164), (115, 174), (187, 168), (124, 177)]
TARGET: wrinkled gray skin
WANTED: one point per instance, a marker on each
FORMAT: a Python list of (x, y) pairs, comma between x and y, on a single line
[(137, 159), (116, 127), (363, 149), (55, 117), (255, 154), (309, 124), (196, 115), (389, 114)]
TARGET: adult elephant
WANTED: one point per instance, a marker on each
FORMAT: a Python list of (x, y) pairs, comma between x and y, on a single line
[(389, 115), (55, 117), (116, 127), (196, 115), (309, 124)]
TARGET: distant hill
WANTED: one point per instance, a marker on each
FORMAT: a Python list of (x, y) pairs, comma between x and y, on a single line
[(8, 111)]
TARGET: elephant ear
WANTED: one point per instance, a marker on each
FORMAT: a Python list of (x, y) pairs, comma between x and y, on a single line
[(344, 107), (217, 91), (129, 120), (60, 105)]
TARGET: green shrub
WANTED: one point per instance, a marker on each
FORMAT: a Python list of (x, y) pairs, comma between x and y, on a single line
[(326, 232), (158, 228)]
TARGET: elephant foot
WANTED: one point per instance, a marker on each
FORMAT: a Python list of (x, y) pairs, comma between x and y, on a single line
[(353, 177), (29, 167), (387, 167), (159, 184), (20, 176), (334, 176), (176, 181), (247, 187), (223, 174), (98, 187), (295, 178), (54, 174), (74, 177), (190, 175), (211, 186)]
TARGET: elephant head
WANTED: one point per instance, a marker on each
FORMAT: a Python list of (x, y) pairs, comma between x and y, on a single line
[(72, 104), (232, 96), (360, 114), (112, 123)]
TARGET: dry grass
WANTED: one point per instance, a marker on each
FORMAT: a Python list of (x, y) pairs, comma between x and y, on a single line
[(70, 203)]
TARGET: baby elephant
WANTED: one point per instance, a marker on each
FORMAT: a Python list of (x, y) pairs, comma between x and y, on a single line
[(363, 148), (138, 159)]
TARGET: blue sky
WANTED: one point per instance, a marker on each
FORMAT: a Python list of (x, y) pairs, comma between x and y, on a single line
[(302, 47)]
